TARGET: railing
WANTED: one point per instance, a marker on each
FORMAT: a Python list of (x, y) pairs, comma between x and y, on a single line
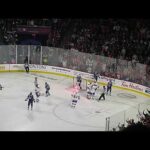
[(72, 59)]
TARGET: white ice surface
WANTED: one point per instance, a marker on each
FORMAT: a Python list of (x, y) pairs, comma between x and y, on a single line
[(54, 113)]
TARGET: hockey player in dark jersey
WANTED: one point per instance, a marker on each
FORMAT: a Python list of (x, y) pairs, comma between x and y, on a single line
[(109, 87), (26, 66), (47, 87), (96, 75), (79, 80), (30, 99)]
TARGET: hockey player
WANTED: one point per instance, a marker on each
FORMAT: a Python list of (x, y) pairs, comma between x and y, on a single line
[(47, 87), (79, 80), (75, 98), (109, 87), (96, 75), (26, 66), (93, 89), (103, 93), (89, 85), (30, 99), (95, 85), (36, 82), (37, 93)]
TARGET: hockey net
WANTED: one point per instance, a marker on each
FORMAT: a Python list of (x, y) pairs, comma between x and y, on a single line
[(83, 83)]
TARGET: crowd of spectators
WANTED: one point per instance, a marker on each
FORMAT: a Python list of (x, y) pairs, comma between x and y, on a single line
[(7, 34), (58, 28), (118, 38), (127, 39)]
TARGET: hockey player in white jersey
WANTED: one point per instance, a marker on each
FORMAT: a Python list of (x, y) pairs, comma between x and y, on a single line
[(37, 93), (88, 90), (95, 85), (75, 97), (93, 89)]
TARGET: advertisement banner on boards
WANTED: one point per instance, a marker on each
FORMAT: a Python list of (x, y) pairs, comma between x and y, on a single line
[(16, 67), (133, 86), (106, 79), (61, 70), (84, 75), (37, 67)]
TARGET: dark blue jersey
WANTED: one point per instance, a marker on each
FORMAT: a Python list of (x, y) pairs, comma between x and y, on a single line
[(109, 84), (30, 98)]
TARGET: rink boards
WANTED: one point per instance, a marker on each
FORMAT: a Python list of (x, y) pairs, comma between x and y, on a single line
[(143, 90)]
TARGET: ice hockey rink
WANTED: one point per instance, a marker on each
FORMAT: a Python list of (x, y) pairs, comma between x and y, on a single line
[(54, 113)]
